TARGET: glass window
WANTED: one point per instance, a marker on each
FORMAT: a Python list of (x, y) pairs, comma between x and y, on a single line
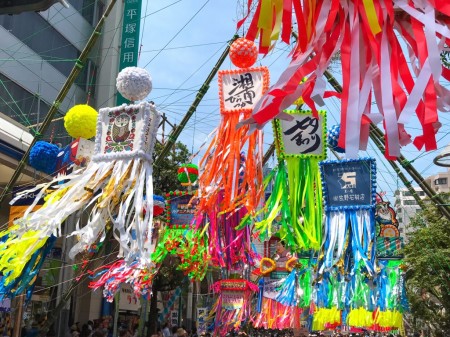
[(41, 37), (421, 193), (27, 109), (89, 9), (407, 193), (440, 181), (409, 202)]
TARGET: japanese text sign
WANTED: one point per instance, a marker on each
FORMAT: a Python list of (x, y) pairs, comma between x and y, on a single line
[(303, 136), (129, 47), (348, 184), (241, 89)]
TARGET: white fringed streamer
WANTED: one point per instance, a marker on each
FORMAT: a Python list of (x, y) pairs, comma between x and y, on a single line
[(118, 187)]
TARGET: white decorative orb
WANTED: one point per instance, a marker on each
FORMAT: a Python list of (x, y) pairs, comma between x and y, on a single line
[(134, 83)]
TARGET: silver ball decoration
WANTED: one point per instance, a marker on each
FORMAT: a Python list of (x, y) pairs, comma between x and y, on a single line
[(134, 83)]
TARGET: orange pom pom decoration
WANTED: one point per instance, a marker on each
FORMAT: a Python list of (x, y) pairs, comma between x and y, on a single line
[(243, 53)]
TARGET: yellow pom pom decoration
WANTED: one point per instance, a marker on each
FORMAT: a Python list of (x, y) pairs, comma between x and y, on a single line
[(81, 121)]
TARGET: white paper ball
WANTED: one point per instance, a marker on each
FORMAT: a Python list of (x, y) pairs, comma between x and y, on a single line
[(134, 83)]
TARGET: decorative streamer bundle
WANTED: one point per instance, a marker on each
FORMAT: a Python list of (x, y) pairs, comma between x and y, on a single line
[(349, 188), (116, 186), (112, 276), (371, 37), (232, 307), (281, 301), (230, 186), (11, 286), (301, 142), (180, 238)]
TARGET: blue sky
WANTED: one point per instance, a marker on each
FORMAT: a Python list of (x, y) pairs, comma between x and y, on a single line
[(183, 42)]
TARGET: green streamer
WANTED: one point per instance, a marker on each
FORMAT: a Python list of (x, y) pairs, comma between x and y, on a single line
[(305, 199)]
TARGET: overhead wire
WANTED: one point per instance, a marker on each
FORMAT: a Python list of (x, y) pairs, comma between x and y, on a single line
[(179, 31)]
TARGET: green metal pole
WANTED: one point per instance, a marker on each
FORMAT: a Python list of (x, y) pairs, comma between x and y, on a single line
[(79, 64), (172, 138)]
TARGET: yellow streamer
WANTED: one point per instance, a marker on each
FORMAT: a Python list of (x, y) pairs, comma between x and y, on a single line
[(372, 16)]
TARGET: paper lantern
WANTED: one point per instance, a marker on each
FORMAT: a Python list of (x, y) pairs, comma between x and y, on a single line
[(333, 137), (243, 53), (134, 83), (43, 156), (187, 174), (159, 204), (81, 121)]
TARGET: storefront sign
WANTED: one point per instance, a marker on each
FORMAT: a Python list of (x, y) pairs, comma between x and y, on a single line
[(129, 47), (128, 300), (19, 207)]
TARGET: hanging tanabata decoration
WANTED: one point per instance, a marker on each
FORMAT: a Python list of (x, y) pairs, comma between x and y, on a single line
[(372, 37), (232, 308), (296, 204), (389, 241), (117, 183), (349, 248), (230, 186), (301, 142), (181, 237), (279, 305)]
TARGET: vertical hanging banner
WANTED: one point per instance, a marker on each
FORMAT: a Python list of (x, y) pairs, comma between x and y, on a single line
[(129, 46), (301, 143), (349, 247), (202, 324)]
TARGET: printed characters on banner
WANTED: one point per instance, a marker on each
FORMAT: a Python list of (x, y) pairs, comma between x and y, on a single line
[(300, 143), (303, 135), (22, 202), (241, 89), (174, 318), (348, 184), (128, 300), (202, 325)]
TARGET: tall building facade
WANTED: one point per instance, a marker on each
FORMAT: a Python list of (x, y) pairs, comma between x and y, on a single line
[(37, 53), (406, 206)]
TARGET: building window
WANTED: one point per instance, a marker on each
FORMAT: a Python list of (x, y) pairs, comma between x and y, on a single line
[(27, 109), (409, 202), (407, 194), (44, 40), (440, 181), (91, 10), (421, 193), (400, 220)]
